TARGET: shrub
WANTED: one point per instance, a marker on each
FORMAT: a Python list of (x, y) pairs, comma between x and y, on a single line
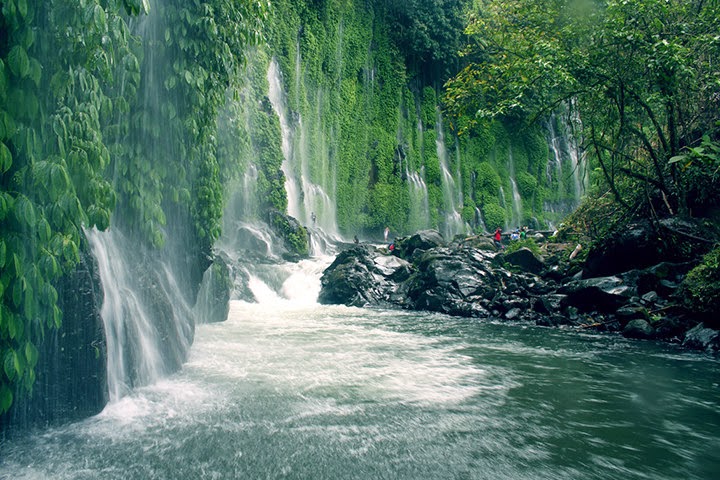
[(701, 288)]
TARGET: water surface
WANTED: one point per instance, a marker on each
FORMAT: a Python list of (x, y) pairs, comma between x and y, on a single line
[(300, 391)]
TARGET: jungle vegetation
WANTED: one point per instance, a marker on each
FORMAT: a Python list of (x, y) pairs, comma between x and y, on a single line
[(142, 114)]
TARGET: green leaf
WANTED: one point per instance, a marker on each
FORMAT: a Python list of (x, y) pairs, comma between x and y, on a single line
[(17, 296), (19, 363), (18, 61), (22, 8), (9, 365), (3, 253), (6, 398), (5, 158), (31, 354), (35, 72), (25, 212), (100, 18), (677, 158)]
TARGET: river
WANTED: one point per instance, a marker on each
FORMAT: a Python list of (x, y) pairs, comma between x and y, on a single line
[(288, 389)]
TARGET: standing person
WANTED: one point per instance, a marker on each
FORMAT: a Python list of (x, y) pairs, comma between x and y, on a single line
[(498, 238), (387, 233)]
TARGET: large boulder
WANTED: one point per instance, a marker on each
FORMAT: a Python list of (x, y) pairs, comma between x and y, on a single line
[(604, 294), (362, 276), (454, 281), (635, 247), (643, 244), (295, 237), (213, 300), (639, 329), (702, 338), (422, 240), (526, 260)]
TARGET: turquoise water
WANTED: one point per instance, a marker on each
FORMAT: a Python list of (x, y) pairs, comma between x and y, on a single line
[(284, 390)]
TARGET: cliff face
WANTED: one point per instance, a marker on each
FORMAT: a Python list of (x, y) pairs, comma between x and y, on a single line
[(71, 370)]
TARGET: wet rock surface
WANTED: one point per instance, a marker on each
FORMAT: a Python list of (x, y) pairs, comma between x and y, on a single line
[(467, 278)]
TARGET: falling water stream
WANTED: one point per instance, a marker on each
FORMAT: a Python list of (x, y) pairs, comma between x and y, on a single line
[(287, 388)]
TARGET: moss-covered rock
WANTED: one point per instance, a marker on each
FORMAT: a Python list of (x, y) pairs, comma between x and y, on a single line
[(700, 290)]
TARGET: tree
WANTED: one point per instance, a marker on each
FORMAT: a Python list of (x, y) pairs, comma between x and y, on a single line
[(642, 76)]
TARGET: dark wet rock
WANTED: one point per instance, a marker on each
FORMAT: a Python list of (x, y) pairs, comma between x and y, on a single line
[(213, 300), (241, 285), (604, 294), (702, 338), (453, 281), (294, 236), (71, 370), (526, 260), (642, 245), (628, 313), (636, 247), (639, 329), (480, 242), (462, 280), (363, 276), (423, 240)]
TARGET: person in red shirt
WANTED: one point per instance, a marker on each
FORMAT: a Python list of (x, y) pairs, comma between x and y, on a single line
[(498, 238)]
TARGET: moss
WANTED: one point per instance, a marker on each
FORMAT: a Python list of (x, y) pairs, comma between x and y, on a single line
[(700, 289)]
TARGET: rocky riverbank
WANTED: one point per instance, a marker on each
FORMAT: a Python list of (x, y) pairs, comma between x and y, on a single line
[(613, 290)]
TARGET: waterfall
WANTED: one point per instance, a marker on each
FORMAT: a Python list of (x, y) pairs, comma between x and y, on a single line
[(309, 174), (148, 324), (566, 172), (556, 160), (453, 220), (577, 155), (419, 203), (517, 213), (276, 95)]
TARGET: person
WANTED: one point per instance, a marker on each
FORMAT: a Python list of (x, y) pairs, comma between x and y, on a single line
[(313, 217), (391, 247), (387, 233), (523, 233), (515, 235), (356, 240), (498, 238)]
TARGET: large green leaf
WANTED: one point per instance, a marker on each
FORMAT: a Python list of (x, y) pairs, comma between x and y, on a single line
[(18, 61), (5, 158)]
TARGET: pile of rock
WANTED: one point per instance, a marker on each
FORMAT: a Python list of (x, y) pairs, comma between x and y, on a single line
[(470, 279)]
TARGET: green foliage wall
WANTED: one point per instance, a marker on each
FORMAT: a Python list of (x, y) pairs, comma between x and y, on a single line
[(98, 121)]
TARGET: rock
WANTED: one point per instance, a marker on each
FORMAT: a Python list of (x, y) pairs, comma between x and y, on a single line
[(513, 313), (526, 260), (629, 313), (640, 246), (423, 240), (213, 300), (650, 297), (71, 371), (453, 281), (295, 237), (702, 338), (363, 276), (480, 242), (605, 294), (639, 329)]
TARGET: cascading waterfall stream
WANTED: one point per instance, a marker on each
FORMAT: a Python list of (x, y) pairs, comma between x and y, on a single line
[(517, 213), (453, 220), (277, 99), (309, 201), (141, 348)]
